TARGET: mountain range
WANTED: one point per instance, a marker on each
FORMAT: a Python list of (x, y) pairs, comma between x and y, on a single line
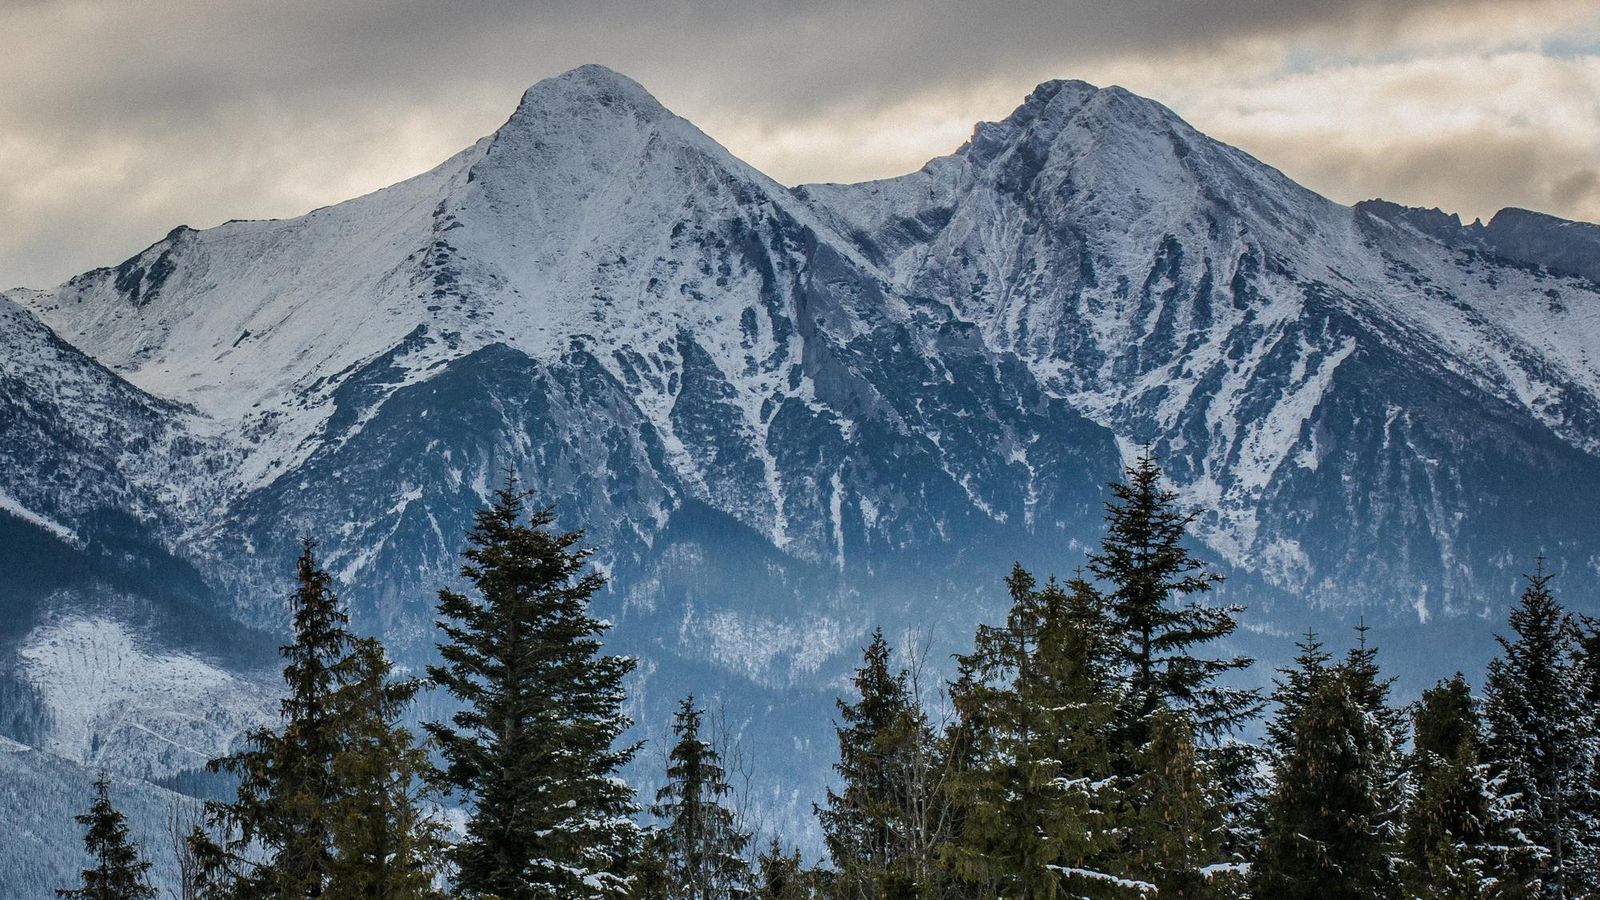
[(784, 415)]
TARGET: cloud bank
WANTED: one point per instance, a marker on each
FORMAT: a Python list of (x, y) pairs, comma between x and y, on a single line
[(122, 120)]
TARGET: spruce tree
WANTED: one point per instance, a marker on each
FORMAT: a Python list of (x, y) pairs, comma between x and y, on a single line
[(1329, 830), (276, 836), (867, 824), (1541, 739), (702, 845), (534, 749), (1156, 611), (1457, 844), (1038, 806), (1382, 750), (1178, 837), (118, 872), (781, 876), (387, 844)]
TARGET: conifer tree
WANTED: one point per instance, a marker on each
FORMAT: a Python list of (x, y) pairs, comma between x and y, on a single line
[(331, 805), (1382, 752), (1456, 844), (387, 845), (650, 880), (1328, 830), (1156, 611), (276, 836), (1178, 839), (118, 873), (1541, 739), (781, 876), (701, 843), (868, 824), (534, 748), (1038, 806)]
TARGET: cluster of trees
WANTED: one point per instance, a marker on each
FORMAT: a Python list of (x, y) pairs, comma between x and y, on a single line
[(1090, 746)]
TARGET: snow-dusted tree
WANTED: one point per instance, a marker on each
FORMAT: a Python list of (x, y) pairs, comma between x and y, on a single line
[(701, 845), (1460, 841), (118, 871), (534, 749), (1541, 739), (1329, 829), (1177, 840), (1037, 800)]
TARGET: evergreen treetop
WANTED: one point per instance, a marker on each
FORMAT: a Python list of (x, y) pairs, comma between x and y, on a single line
[(533, 749), (1541, 739), (1156, 609), (118, 871), (276, 833), (702, 845)]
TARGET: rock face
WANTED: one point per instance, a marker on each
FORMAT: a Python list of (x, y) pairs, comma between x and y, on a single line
[(788, 415)]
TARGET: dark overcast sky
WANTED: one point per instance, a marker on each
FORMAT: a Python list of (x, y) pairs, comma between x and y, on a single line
[(119, 120)]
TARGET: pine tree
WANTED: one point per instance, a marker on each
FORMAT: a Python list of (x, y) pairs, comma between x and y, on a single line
[(118, 873), (276, 835), (1328, 830), (702, 844), (534, 748), (1038, 806), (1382, 744), (331, 805), (387, 846), (1155, 609), (1163, 630), (870, 825), (649, 878), (1541, 739)]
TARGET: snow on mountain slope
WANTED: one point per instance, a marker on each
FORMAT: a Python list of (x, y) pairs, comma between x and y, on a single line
[(76, 439), (253, 322), (1181, 293), (119, 704), (787, 416)]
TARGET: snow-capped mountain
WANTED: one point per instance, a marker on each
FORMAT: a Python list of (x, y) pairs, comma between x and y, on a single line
[(787, 415)]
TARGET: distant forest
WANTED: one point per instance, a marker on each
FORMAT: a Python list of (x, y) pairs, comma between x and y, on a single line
[(1090, 745)]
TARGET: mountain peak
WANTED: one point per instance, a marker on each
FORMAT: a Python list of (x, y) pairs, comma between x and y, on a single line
[(587, 91)]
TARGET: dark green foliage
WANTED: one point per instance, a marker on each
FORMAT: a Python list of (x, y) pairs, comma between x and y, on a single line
[(1541, 739), (118, 873), (1038, 810), (782, 876), (277, 833), (333, 804), (1457, 843), (386, 845), (533, 749), (701, 845), (1330, 822), (882, 824), (1177, 834), (1157, 614), (1162, 631)]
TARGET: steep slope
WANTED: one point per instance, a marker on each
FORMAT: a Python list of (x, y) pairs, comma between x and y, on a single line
[(1324, 380)]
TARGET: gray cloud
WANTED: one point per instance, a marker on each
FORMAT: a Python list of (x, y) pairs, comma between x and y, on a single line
[(121, 120)]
